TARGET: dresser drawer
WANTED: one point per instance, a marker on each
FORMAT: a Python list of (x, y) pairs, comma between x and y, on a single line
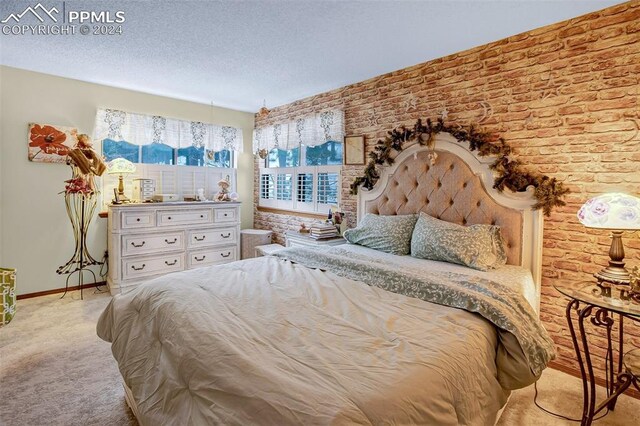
[(137, 219), (210, 257), (184, 217), (226, 215), (209, 237), (135, 268), (151, 243)]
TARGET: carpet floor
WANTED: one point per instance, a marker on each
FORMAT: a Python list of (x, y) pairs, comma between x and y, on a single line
[(54, 370)]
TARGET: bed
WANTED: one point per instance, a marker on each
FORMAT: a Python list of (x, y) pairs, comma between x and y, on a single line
[(347, 334)]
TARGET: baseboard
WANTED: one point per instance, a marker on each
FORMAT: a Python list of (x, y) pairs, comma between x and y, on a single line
[(631, 391), (59, 290)]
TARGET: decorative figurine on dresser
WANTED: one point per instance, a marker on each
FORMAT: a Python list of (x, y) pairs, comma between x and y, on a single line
[(152, 239), (223, 194)]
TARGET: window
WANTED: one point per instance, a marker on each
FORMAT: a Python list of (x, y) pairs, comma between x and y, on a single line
[(305, 188), (302, 179), (267, 187), (328, 188), (193, 156), (219, 159), (284, 188), (327, 154), (112, 149), (157, 153), (283, 158), (190, 156)]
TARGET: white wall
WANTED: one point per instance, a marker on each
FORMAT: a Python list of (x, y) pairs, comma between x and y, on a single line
[(35, 233)]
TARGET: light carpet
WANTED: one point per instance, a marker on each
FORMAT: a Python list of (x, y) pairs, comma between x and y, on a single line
[(54, 370)]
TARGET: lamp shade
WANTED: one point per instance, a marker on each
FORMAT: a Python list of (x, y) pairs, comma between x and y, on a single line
[(611, 211), (120, 166)]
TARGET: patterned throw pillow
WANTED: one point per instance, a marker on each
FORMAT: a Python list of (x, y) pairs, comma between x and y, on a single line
[(476, 246), (390, 234)]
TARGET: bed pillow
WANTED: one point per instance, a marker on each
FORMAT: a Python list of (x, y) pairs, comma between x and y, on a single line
[(390, 234), (476, 246)]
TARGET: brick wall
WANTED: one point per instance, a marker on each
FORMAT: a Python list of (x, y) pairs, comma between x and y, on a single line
[(565, 96)]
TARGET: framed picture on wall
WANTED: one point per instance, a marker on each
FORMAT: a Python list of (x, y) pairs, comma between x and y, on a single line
[(354, 154), (50, 143)]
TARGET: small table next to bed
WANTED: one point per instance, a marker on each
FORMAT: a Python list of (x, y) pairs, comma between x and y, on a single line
[(591, 302)]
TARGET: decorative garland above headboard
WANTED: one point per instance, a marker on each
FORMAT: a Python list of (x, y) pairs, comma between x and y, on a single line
[(509, 171)]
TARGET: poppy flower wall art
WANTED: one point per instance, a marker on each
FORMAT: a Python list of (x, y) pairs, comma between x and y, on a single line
[(51, 144)]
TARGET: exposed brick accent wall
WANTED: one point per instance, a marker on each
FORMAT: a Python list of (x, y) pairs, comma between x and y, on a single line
[(565, 96)]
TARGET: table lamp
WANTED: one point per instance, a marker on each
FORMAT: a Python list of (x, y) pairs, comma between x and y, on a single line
[(120, 167), (617, 212)]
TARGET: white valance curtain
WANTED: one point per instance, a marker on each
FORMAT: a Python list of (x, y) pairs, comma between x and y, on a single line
[(141, 129), (311, 130)]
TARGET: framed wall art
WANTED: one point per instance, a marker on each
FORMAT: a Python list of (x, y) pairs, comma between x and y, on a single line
[(354, 153), (50, 143)]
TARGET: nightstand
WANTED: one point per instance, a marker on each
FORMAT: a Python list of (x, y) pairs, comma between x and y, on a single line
[(296, 239), (590, 303), (267, 249)]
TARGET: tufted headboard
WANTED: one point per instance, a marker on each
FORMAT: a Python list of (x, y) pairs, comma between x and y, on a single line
[(458, 189), (450, 191)]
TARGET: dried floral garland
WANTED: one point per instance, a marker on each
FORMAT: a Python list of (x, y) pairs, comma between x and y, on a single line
[(510, 174)]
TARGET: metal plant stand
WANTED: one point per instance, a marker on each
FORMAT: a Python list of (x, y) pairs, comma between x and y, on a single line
[(80, 209)]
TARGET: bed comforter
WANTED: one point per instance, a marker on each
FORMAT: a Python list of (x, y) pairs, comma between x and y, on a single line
[(272, 341)]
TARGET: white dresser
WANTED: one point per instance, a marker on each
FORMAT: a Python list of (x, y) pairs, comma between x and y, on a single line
[(152, 239)]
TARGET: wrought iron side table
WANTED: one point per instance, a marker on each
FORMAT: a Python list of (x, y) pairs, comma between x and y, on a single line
[(589, 302)]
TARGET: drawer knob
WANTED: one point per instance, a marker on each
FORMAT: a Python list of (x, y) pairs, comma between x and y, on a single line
[(200, 259), (225, 215), (226, 236), (138, 219), (225, 255), (201, 216), (169, 218), (138, 269), (171, 242), (137, 245), (172, 263), (199, 239)]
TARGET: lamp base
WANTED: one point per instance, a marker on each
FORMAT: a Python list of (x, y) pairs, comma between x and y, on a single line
[(123, 198), (614, 274)]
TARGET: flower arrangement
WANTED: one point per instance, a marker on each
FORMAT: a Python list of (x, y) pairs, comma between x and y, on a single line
[(85, 164), (78, 185)]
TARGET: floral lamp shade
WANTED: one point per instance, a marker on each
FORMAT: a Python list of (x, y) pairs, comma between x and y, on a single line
[(617, 212), (611, 211), (120, 166)]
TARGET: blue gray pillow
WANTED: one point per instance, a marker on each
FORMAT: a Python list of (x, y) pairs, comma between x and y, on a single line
[(390, 234), (476, 246)]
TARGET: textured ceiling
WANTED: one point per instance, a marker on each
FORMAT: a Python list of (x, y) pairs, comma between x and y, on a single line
[(237, 53)]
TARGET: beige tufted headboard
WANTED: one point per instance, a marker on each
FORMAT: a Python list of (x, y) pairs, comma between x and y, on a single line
[(458, 189), (450, 191)]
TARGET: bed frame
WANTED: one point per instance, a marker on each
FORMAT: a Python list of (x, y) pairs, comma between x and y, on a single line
[(458, 188)]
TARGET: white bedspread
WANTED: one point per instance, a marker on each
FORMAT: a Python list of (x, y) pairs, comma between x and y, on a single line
[(265, 341)]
